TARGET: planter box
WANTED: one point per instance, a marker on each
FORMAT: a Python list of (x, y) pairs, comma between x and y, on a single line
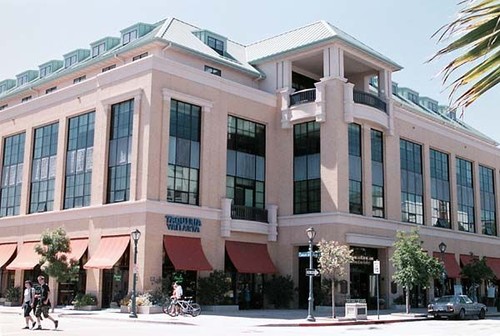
[(220, 308), (12, 304), (149, 310), (124, 309), (87, 308)]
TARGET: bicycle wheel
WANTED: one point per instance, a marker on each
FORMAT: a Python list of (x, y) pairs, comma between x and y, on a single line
[(195, 309), (169, 308)]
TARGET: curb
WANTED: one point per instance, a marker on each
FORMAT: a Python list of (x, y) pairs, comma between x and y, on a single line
[(342, 323)]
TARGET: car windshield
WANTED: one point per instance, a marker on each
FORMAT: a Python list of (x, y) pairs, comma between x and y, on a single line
[(466, 299), (446, 299)]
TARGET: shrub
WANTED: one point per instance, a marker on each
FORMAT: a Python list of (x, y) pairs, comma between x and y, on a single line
[(85, 300), (143, 299), (13, 294), (212, 289), (279, 291)]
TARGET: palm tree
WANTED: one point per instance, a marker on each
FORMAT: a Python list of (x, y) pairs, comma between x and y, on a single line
[(475, 33)]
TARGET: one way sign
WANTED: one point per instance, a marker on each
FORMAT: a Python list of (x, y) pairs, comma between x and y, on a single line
[(312, 272)]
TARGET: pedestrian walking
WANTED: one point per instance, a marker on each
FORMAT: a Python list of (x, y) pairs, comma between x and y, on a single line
[(43, 304), (28, 304)]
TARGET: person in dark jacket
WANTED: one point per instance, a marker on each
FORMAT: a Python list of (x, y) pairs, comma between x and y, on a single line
[(43, 303)]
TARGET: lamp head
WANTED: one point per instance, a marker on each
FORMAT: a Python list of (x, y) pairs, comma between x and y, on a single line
[(136, 235), (311, 233), (442, 247)]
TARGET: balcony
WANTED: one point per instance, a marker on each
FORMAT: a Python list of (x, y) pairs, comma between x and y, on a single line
[(303, 96), (248, 213), (369, 99)]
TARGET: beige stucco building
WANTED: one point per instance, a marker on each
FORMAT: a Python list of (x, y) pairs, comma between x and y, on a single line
[(222, 155)]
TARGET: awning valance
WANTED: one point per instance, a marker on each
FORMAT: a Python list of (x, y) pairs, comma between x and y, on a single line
[(109, 251), (186, 253), (26, 259), (450, 264), (250, 257), (6, 252)]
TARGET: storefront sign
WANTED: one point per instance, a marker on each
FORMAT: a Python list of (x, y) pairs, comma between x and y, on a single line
[(186, 224), (362, 260)]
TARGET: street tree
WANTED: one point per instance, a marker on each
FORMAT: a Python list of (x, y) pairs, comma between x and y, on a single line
[(413, 266), (333, 258), (53, 247), (476, 271), (475, 38)]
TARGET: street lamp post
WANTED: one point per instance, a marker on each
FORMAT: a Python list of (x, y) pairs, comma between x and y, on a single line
[(311, 233), (136, 234), (442, 249)]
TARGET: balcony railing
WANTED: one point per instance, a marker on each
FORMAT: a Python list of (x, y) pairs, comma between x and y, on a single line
[(303, 96), (370, 100), (248, 213)]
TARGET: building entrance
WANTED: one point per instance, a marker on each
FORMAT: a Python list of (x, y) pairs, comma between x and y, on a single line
[(362, 281)]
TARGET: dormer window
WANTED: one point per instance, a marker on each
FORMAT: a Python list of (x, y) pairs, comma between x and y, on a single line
[(129, 36), (46, 70), (22, 80), (6, 85), (3, 88), (98, 49), (70, 60), (216, 44)]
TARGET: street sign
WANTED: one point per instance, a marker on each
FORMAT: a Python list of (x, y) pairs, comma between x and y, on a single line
[(312, 272), (376, 267), (307, 254)]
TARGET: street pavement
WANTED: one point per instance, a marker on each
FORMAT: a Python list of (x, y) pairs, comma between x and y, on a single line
[(264, 318)]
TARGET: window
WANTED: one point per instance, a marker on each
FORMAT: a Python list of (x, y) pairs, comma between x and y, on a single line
[(98, 49), (440, 189), (412, 210), (3, 88), (129, 36), (246, 162), (52, 89), (138, 57), (79, 79), (43, 168), (109, 68), (355, 170), (120, 152), (184, 153), (213, 71), (12, 175), (306, 168), (46, 70), (70, 60), (216, 45), (79, 158), (465, 196), (22, 80), (25, 99), (377, 150), (488, 201), (3, 107), (413, 97)]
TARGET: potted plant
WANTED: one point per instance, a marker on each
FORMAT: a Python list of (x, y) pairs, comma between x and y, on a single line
[(212, 292), (125, 304), (144, 304), (85, 302), (13, 296)]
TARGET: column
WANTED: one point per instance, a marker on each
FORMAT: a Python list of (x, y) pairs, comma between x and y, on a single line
[(453, 192), (136, 135), (426, 175), (61, 158), (100, 154), (366, 160), (25, 189), (477, 198), (333, 62)]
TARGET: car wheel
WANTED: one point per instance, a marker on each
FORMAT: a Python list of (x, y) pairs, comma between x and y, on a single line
[(482, 314), (461, 314)]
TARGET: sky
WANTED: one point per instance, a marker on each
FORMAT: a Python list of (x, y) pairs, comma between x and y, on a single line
[(35, 31)]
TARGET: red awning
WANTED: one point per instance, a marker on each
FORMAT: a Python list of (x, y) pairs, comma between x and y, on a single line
[(109, 251), (466, 259), (26, 259), (494, 264), (186, 253), (6, 252), (450, 264), (250, 257), (78, 248)]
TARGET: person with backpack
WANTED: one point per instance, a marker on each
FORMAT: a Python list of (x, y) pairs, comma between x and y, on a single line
[(43, 303), (28, 303)]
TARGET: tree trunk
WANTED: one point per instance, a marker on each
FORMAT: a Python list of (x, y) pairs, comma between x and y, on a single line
[(407, 300), (333, 299)]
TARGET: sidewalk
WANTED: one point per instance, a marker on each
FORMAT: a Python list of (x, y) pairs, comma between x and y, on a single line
[(263, 318)]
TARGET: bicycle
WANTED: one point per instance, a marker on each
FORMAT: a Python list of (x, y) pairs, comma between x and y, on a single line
[(186, 307)]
